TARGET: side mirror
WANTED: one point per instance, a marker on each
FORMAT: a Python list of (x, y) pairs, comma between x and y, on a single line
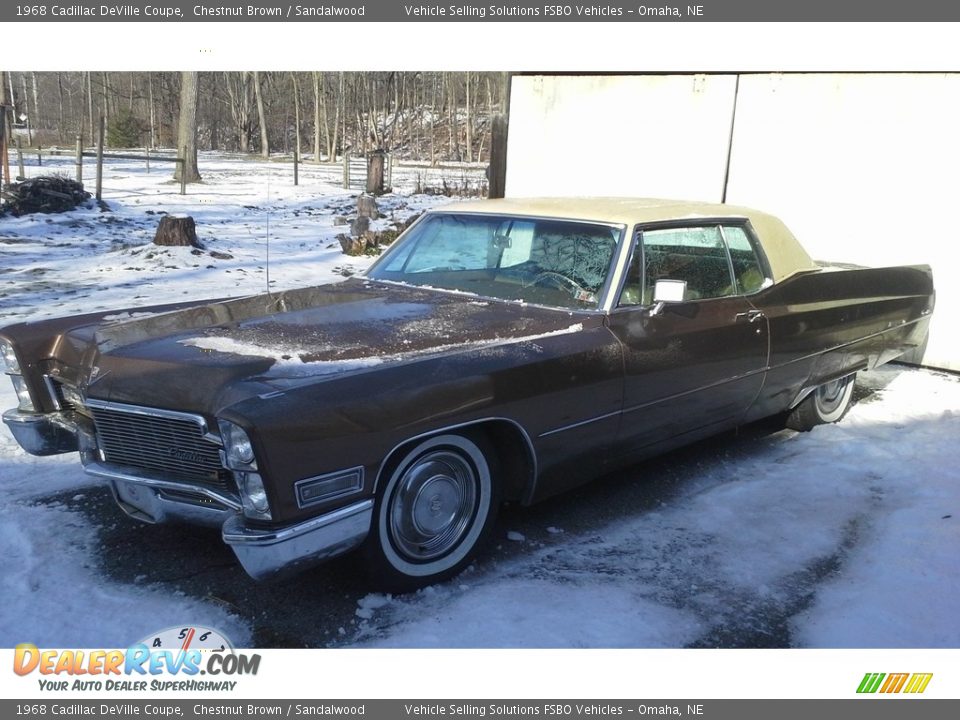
[(502, 242), (669, 291)]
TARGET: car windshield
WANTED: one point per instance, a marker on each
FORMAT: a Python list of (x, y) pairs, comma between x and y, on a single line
[(558, 263)]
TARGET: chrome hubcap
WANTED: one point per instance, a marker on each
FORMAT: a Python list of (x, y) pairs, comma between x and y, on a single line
[(830, 396), (433, 505)]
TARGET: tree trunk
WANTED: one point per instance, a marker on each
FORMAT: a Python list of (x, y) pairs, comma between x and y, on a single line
[(296, 113), (316, 117), (451, 116), (105, 110), (375, 172), (153, 123), (37, 124), (61, 124), (187, 128), (90, 103), (469, 156), (11, 98), (25, 107), (341, 116), (433, 114), (238, 89), (261, 116), (6, 124)]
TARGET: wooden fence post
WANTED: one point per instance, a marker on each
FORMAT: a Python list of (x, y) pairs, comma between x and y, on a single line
[(497, 170), (100, 159), (346, 169), (183, 171), (39, 156), (390, 171), (23, 173), (148, 160), (296, 168), (79, 161)]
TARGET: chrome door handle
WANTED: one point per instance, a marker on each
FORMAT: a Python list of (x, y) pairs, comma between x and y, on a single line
[(750, 316)]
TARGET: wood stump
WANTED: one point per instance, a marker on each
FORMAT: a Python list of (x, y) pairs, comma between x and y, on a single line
[(367, 207), (352, 245), (375, 164), (360, 225), (178, 231)]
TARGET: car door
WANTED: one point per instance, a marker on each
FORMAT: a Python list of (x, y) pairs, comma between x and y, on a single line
[(693, 363)]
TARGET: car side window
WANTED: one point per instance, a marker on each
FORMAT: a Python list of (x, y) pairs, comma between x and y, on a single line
[(711, 261), (695, 256), (747, 269)]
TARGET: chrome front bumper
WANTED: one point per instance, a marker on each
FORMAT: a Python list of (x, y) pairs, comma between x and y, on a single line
[(42, 433), (263, 552), (267, 553)]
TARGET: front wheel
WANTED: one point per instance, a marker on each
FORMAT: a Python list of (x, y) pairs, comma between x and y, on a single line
[(826, 404), (436, 509)]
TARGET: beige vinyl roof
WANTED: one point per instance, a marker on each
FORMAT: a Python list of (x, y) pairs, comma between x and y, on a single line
[(784, 253)]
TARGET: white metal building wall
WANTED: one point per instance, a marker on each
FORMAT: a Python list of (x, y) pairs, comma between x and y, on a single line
[(864, 168)]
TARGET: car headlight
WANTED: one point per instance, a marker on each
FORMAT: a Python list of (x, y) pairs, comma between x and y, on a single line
[(9, 358), (253, 495), (238, 456), (237, 447)]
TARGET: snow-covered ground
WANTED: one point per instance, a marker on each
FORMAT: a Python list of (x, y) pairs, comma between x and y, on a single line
[(849, 534)]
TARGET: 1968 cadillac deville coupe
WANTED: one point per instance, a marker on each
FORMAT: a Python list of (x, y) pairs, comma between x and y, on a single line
[(498, 351)]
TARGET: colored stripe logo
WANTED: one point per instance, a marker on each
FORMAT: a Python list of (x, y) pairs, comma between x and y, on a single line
[(912, 683)]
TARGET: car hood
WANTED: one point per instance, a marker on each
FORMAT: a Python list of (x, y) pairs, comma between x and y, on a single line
[(209, 356)]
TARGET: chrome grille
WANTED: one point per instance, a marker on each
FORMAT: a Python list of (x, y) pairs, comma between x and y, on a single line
[(166, 444)]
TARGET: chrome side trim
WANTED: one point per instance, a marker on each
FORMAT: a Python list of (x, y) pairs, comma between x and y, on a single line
[(268, 552), (198, 420), (718, 383), (135, 475), (532, 453), (588, 421)]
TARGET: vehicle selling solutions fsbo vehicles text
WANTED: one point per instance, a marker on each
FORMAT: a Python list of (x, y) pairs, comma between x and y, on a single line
[(482, 11)]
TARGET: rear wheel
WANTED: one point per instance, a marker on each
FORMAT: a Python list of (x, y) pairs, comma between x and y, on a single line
[(434, 512), (826, 404)]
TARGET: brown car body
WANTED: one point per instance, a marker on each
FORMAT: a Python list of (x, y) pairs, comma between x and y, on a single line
[(395, 416)]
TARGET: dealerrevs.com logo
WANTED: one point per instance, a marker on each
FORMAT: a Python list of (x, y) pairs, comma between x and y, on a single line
[(181, 652), (911, 683)]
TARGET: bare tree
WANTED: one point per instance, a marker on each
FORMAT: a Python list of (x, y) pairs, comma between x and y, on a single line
[(187, 128), (316, 116), (296, 113), (241, 106), (6, 122), (153, 115), (434, 115), (261, 115)]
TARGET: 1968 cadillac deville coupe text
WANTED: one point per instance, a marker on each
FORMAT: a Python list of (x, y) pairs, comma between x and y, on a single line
[(499, 351)]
